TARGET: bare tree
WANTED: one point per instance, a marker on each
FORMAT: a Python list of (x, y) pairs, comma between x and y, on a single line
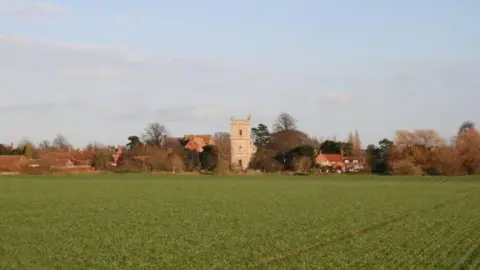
[(285, 122), (224, 136), (155, 134), (223, 145), (447, 161), (61, 143), (424, 137), (417, 149), (44, 145), (468, 147), (301, 164)]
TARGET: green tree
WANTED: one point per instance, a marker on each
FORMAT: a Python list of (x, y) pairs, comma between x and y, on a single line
[(27, 150), (351, 139), (347, 148), (209, 158), (4, 150), (331, 147), (133, 141), (378, 156), (260, 135), (300, 158), (264, 160)]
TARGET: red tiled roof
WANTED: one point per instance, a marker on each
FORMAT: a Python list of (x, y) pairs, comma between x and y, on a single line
[(80, 155), (320, 158), (202, 140), (12, 161), (334, 157)]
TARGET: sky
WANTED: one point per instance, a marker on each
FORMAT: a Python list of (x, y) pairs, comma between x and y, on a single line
[(100, 71)]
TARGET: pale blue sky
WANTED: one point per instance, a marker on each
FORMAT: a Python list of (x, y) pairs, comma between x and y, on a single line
[(102, 70)]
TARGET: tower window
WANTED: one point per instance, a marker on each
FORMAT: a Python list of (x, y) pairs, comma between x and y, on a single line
[(240, 132)]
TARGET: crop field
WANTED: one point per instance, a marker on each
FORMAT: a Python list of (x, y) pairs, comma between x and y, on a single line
[(249, 222)]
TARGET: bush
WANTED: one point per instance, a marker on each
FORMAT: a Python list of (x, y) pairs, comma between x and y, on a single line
[(406, 167), (101, 161)]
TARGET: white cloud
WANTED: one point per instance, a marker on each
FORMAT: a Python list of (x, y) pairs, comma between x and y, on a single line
[(29, 9)]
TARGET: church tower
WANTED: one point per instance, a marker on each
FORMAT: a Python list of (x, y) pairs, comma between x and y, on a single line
[(242, 147)]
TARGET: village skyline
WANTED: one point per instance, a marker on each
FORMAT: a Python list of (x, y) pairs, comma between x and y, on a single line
[(333, 137)]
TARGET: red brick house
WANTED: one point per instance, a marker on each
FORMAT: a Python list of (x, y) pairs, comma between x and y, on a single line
[(78, 158), (12, 163), (354, 164), (331, 160)]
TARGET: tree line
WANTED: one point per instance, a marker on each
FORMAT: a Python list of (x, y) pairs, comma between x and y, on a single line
[(284, 148)]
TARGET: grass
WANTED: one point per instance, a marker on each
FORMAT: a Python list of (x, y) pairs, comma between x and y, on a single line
[(210, 222)]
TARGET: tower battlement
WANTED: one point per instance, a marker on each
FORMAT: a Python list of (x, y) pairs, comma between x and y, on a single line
[(240, 120)]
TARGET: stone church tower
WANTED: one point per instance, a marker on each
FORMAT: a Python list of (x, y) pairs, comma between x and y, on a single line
[(242, 147)]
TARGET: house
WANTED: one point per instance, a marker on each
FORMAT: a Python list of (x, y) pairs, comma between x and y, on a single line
[(62, 164), (331, 160), (78, 158), (12, 163), (354, 164), (39, 163), (197, 142)]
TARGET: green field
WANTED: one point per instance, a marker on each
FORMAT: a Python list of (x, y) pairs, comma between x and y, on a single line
[(213, 222)]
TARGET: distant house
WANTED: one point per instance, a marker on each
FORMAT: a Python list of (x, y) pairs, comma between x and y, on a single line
[(335, 161), (354, 164), (78, 158), (329, 159), (197, 142), (62, 164), (12, 163), (39, 163)]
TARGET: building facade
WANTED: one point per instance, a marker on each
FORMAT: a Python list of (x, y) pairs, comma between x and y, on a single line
[(242, 147)]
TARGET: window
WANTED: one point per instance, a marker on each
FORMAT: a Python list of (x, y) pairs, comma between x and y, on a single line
[(240, 132), (240, 163)]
